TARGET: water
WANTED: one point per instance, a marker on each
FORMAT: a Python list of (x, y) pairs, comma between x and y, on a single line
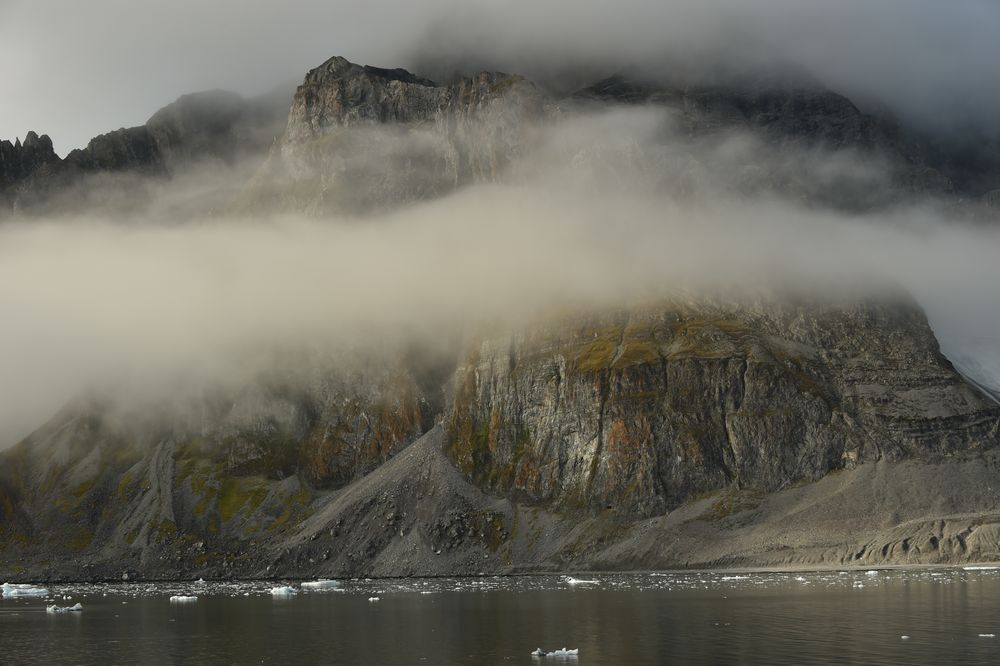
[(699, 618)]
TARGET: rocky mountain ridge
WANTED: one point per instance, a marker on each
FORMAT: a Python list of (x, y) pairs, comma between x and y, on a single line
[(211, 126)]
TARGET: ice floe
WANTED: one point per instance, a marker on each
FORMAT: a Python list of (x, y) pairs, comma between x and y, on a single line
[(182, 599), (904, 638), (23, 590), (579, 581), (539, 652), (374, 599), (871, 572), (322, 584), (987, 635), (53, 609), (283, 591), (981, 567)]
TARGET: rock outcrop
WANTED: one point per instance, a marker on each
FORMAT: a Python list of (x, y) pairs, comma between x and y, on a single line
[(641, 412), (364, 138)]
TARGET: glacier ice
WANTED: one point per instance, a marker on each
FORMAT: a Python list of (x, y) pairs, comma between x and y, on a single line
[(53, 609), (23, 590), (578, 581), (565, 652)]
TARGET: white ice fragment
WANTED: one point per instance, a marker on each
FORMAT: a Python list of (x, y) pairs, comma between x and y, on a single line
[(800, 579), (539, 652), (63, 609), (200, 581), (182, 599), (374, 599), (283, 591), (871, 572), (980, 567), (579, 581), (23, 590), (904, 638), (987, 635), (321, 584)]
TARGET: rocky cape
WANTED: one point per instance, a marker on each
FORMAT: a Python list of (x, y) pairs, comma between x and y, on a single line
[(766, 431)]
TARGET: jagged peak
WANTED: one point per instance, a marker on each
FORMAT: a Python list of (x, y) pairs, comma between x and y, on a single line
[(339, 67)]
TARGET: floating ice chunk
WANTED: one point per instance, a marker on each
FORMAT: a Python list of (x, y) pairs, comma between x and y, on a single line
[(579, 581), (200, 581), (734, 577), (374, 599), (980, 567), (872, 572), (321, 584), (23, 590), (564, 653), (182, 599), (987, 635), (53, 609), (904, 638), (283, 591)]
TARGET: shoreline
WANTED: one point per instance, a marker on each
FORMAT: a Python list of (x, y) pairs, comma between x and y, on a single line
[(971, 566)]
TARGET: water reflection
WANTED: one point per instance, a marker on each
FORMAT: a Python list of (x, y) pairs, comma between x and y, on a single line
[(691, 618)]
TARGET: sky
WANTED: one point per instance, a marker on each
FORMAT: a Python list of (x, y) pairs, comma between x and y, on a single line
[(75, 69)]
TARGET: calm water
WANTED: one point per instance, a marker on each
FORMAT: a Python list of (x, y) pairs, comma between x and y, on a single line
[(834, 618)]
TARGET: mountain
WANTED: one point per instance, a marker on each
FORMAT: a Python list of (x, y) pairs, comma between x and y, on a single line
[(212, 127), (772, 429)]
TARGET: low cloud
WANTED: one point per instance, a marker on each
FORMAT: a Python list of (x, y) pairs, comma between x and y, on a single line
[(159, 307)]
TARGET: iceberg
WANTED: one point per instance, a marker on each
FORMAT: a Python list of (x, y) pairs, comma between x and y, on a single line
[(987, 635), (374, 599), (539, 652), (871, 572), (283, 591), (321, 584), (182, 599), (53, 609), (11, 590)]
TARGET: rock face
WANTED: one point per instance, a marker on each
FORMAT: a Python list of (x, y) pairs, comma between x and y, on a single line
[(643, 411), (764, 430), (361, 138)]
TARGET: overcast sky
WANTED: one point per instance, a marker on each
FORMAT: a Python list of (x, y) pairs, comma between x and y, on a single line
[(73, 69)]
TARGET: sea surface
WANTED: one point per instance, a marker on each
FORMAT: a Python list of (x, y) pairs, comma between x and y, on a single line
[(948, 616)]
